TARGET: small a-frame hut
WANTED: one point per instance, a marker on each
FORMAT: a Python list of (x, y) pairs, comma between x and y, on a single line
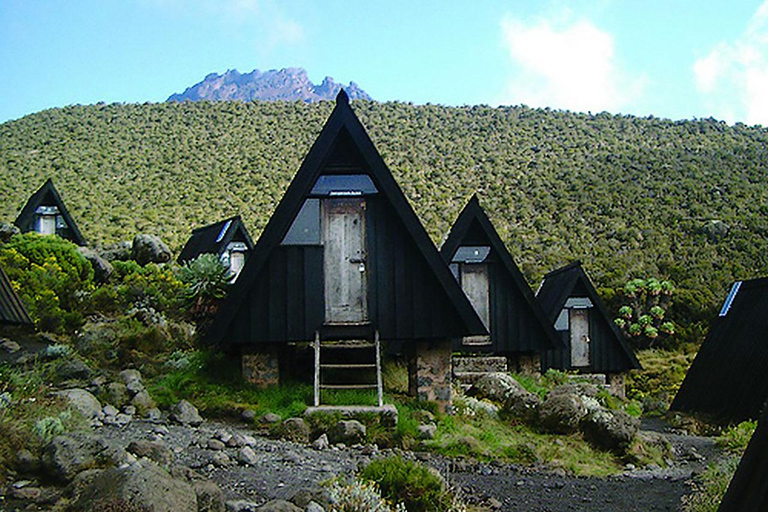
[(728, 380), (748, 489), (344, 258), (228, 239), (593, 343), (45, 213), (12, 310), (482, 265)]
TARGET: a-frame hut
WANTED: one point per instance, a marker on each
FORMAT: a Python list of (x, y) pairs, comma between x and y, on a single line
[(748, 489), (45, 213), (344, 257), (593, 343), (728, 380), (481, 263), (12, 310), (228, 239)]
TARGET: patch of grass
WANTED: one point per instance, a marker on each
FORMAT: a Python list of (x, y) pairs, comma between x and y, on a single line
[(532, 384), (29, 415), (657, 383), (736, 438), (709, 488)]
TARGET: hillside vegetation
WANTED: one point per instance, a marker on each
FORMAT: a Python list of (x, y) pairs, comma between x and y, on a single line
[(630, 197)]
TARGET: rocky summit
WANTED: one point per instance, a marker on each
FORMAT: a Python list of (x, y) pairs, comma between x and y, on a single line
[(287, 84)]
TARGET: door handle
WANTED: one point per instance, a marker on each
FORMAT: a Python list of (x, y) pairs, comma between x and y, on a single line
[(356, 260)]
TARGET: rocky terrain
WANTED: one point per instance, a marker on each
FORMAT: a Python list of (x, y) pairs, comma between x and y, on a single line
[(287, 84), (176, 460)]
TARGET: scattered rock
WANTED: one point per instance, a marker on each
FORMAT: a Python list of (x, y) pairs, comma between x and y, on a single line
[(110, 410), (248, 415), (149, 249), (186, 414), (215, 444), (247, 456), (142, 485), (221, 459), (155, 451), (83, 401), (314, 507), (348, 432), (153, 414), (295, 429), (561, 413), (241, 506), (610, 430), (67, 455), (117, 394), (102, 268), (209, 496), (10, 346), (7, 230), (120, 251), (71, 368), (321, 443), (270, 418), (26, 462), (427, 431), (130, 376), (279, 506), (26, 493), (504, 389)]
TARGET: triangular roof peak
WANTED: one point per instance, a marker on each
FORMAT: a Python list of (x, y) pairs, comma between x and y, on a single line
[(26, 219), (344, 128)]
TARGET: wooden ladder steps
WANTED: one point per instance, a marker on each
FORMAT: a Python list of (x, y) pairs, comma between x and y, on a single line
[(350, 366), (349, 386), (345, 360)]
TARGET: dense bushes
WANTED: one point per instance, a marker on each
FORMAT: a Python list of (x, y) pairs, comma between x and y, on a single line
[(52, 279), (412, 484)]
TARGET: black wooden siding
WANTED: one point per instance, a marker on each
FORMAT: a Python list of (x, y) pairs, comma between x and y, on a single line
[(287, 301), (609, 353), (748, 489), (728, 380), (12, 310)]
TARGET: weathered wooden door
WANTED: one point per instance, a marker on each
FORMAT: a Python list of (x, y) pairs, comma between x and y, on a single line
[(579, 324), (345, 266), (474, 282)]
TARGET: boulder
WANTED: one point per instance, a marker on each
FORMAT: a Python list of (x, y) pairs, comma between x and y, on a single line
[(71, 368), (149, 249), (7, 230), (295, 429), (348, 432), (209, 496), (427, 431), (102, 269), (321, 443), (83, 401), (120, 251), (143, 402), (279, 506), (247, 457), (186, 414), (129, 377), (139, 486), (609, 430), (69, 454), (26, 462), (504, 389), (155, 451), (561, 413)]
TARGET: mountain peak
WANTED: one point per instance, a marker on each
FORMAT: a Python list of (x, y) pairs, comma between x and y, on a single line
[(287, 84)]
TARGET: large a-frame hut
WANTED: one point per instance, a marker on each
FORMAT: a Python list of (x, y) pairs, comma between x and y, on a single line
[(228, 239), (12, 310), (482, 265), (728, 380), (45, 213), (344, 257), (593, 343)]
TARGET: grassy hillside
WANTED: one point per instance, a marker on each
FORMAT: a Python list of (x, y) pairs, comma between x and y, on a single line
[(628, 196)]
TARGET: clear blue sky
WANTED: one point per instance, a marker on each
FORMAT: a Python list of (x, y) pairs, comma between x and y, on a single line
[(673, 58)]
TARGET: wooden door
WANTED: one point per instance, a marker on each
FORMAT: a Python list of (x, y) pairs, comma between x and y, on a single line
[(474, 282), (579, 326), (346, 298)]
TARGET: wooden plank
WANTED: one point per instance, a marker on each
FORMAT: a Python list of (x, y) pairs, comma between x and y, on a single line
[(346, 366), (317, 368), (295, 296), (348, 386), (579, 324), (313, 290)]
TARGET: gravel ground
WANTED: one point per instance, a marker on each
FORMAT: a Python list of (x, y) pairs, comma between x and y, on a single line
[(283, 468)]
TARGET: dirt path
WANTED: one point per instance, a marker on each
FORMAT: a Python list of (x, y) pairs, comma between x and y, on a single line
[(283, 468)]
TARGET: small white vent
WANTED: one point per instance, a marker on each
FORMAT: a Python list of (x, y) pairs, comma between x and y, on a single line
[(729, 300)]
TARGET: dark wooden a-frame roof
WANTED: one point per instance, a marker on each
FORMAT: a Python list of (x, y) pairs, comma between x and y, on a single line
[(728, 380), (12, 310), (47, 195), (343, 136), (214, 238), (531, 331), (557, 286), (748, 489)]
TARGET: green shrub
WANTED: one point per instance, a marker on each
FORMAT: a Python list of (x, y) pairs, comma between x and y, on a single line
[(51, 426), (657, 383), (412, 484), (51, 277), (206, 281), (131, 284), (358, 496)]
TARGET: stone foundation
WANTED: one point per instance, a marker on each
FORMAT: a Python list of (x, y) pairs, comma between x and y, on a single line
[(617, 384), (526, 364), (429, 372), (261, 368)]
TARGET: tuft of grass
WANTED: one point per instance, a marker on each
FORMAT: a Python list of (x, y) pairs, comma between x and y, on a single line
[(736, 438), (414, 485)]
